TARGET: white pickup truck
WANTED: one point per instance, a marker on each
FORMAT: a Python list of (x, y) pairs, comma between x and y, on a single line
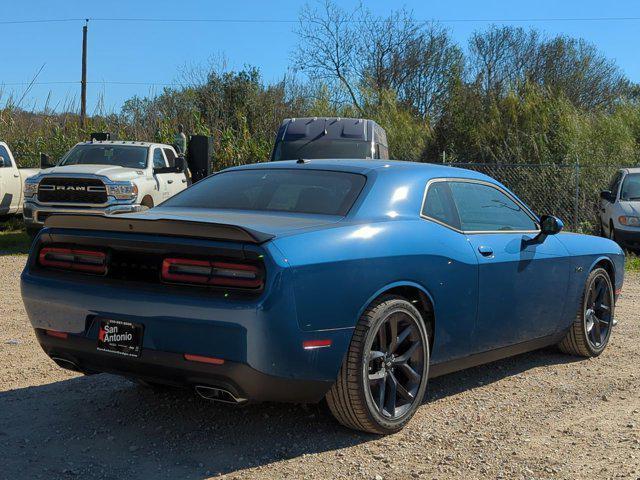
[(11, 182), (102, 178)]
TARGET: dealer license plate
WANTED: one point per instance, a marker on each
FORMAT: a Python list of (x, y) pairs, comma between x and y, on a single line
[(120, 337)]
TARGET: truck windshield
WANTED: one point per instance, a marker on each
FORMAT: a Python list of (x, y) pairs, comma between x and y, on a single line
[(129, 156), (631, 187), (322, 148), (283, 190)]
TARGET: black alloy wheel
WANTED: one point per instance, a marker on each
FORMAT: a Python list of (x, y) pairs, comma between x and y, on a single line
[(396, 365), (384, 375), (590, 332), (598, 312)]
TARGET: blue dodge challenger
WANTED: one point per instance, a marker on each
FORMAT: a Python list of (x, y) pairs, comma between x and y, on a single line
[(353, 281)]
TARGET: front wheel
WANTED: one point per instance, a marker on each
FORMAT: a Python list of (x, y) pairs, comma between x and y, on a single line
[(590, 332), (384, 376)]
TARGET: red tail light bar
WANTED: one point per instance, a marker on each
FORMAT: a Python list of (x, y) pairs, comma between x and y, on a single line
[(78, 260), (209, 272)]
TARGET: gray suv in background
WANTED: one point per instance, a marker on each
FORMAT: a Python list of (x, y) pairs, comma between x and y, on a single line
[(330, 137)]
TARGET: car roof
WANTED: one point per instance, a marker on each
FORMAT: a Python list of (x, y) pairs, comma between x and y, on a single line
[(632, 169), (364, 167), (124, 142)]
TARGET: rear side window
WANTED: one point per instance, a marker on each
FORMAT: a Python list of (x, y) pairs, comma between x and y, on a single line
[(439, 206), (171, 157), (485, 208), (284, 190)]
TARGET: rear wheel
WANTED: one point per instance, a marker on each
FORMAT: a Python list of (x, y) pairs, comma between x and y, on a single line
[(590, 332), (384, 376)]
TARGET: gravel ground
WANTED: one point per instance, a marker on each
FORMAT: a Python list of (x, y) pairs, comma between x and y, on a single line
[(539, 415)]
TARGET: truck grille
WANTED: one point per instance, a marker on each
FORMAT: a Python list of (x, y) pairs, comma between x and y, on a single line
[(72, 190)]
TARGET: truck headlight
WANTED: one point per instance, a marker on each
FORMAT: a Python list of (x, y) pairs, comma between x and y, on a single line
[(30, 188), (123, 191), (630, 221)]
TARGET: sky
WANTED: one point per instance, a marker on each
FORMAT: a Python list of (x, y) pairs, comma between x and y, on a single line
[(136, 54)]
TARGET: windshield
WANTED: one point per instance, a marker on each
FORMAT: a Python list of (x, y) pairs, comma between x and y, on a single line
[(631, 187), (129, 156), (280, 190), (321, 148)]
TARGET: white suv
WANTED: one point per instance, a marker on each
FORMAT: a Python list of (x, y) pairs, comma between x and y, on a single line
[(620, 208), (103, 178)]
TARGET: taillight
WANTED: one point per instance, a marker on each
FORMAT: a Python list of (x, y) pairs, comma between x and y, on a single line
[(78, 260), (211, 272)]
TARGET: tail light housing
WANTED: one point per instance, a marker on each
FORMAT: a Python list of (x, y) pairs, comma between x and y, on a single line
[(74, 259), (212, 272)]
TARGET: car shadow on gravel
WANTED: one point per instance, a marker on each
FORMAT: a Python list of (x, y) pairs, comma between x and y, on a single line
[(105, 427), (471, 378)]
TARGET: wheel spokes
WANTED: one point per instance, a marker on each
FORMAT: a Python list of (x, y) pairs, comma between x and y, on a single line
[(391, 400), (393, 333), (411, 374), (404, 358), (395, 365)]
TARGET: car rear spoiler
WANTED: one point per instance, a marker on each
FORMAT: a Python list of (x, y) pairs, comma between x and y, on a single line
[(161, 226)]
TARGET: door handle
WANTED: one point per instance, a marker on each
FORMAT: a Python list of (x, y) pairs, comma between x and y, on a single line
[(17, 175), (169, 181), (184, 181), (485, 251)]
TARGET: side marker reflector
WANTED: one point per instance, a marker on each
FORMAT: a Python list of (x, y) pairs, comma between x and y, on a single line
[(313, 344), (202, 359), (53, 333), (618, 292)]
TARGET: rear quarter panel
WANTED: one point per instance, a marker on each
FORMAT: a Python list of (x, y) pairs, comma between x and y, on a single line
[(338, 271)]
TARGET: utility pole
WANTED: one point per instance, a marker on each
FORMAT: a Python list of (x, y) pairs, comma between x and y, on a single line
[(83, 83)]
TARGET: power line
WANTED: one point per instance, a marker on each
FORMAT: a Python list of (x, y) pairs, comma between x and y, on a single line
[(97, 82), (292, 21)]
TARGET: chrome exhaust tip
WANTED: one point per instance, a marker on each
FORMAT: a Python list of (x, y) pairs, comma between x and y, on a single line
[(219, 395), (66, 363)]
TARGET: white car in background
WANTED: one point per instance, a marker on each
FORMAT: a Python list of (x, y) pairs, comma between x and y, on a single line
[(11, 181), (102, 178), (620, 208)]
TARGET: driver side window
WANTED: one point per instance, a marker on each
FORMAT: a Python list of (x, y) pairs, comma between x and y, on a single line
[(484, 208), (158, 159)]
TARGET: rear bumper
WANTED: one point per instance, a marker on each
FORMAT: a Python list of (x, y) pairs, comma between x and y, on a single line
[(258, 337), (80, 354)]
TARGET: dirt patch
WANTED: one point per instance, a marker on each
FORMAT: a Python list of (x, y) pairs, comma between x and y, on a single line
[(539, 415)]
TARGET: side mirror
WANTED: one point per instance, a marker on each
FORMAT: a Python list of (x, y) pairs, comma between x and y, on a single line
[(607, 195), (45, 161), (550, 225), (179, 164), (3, 162)]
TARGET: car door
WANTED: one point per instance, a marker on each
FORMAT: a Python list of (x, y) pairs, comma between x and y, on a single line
[(164, 179), (608, 206), (10, 184), (522, 278), (178, 179)]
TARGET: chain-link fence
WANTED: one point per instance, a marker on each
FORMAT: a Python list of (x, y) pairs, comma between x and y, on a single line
[(570, 192)]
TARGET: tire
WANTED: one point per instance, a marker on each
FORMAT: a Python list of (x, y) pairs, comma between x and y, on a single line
[(612, 232), (592, 321), (32, 232), (375, 366)]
